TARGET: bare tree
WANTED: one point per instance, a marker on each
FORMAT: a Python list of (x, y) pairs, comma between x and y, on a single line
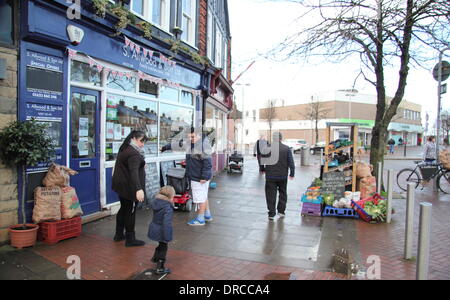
[(381, 33), (269, 114), (317, 111)]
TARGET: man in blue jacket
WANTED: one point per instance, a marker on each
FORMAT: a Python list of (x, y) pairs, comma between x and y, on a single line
[(277, 165), (199, 172)]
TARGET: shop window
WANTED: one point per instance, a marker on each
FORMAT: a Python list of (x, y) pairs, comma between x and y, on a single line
[(126, 84), (147, 88), (53, 131), (168, 93), (173, 121), (124, 114), (187, 98), (81, 72)]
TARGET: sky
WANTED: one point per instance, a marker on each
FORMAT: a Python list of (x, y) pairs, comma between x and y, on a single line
[(258, 25)]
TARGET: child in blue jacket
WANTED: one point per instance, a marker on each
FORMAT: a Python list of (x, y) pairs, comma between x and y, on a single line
[(160, 229)]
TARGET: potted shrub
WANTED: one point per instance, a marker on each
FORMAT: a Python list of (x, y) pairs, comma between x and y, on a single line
[(22, 144)]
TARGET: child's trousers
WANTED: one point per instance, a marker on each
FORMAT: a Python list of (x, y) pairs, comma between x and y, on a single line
[(161, 251)]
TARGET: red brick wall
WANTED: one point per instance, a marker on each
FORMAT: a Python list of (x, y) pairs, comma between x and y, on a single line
[(203, 21)]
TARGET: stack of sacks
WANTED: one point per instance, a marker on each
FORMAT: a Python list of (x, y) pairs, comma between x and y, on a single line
[(57, 195), (366, 183)]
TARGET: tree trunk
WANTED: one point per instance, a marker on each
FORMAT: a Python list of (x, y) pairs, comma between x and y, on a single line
[(24, 183), (378, 147)]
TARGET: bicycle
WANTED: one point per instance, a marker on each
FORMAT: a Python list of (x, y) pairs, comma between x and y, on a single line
[(428, 171)]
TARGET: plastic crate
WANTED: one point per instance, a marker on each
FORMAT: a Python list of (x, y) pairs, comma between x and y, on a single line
[(53, 232), (311, 209), (304, 199), (361, 212), (330, 211)]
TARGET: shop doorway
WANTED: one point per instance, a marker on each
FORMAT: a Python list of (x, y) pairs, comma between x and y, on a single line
[(85, 147)]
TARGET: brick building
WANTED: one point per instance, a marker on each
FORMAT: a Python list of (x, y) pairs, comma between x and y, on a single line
[(93, 79), (343, 106)]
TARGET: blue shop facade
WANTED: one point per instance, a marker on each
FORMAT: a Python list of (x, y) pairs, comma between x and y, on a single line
[(92, 87)]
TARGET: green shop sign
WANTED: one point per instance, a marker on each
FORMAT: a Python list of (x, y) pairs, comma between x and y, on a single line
[(362, 123)]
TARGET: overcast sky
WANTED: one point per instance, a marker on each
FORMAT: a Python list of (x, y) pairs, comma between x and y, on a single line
[(258, 25)]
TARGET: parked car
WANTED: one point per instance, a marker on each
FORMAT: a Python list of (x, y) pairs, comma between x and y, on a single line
[(296, 144), (317, 148)]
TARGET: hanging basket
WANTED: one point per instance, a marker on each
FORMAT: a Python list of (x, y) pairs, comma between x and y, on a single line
[(20, 237)]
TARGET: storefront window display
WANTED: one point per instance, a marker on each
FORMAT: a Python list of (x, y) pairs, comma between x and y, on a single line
[(81, 72), (121, 83), (124, 114), (168, 93), (83, 117), (173, 120)]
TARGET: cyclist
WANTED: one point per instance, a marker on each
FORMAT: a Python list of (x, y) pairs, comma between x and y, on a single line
[(429, 153)]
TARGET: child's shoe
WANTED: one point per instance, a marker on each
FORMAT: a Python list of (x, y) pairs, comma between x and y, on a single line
[(196, 222)]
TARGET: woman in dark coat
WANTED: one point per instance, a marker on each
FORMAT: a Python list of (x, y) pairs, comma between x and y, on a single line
[(160, 229), (129, 183)]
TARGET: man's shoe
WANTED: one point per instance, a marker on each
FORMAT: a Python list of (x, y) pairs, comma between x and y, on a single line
[(196, 222), (208, 219), (281, 215), (271, 218)]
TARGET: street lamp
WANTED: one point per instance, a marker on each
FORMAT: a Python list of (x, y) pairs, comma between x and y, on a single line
[(243, 114), (438, 119)]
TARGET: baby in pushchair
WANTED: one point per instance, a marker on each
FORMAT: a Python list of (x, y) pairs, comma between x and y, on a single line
[(176, 177), (235, 162)]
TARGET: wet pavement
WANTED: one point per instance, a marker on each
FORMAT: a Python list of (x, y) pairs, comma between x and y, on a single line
[(241, 243), (241, 228)]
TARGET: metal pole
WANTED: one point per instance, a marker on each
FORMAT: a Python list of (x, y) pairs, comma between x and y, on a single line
[(409, 228), (379, 177), (389, 194), (423, 252)]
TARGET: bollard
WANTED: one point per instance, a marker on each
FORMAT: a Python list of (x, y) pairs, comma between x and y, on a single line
[(379, 177), (389, 195), (423, 252), (409, 228)]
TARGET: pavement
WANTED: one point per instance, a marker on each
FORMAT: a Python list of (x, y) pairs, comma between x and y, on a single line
[(242, 244)]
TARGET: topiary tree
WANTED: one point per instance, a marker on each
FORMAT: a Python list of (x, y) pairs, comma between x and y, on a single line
[(22, 144)]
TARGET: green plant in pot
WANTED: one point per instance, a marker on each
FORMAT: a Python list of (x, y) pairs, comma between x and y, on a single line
[(22, 144)]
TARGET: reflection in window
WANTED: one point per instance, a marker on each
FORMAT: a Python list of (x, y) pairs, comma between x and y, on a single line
[(147, 88), (6, 22), (122, 83), (83, 73), (83, 113), (173, 120), (168, 93), (187, 98), (124, 114)]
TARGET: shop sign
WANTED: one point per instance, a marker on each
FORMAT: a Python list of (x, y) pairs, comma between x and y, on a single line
[(334, 183), (44, 76), (52, 116)]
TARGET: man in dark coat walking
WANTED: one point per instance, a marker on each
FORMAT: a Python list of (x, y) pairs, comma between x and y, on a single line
[(277, 164), (259, 145)]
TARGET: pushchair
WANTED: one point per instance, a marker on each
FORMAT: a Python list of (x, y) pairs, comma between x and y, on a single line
[(235, 162), (176, 177)]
